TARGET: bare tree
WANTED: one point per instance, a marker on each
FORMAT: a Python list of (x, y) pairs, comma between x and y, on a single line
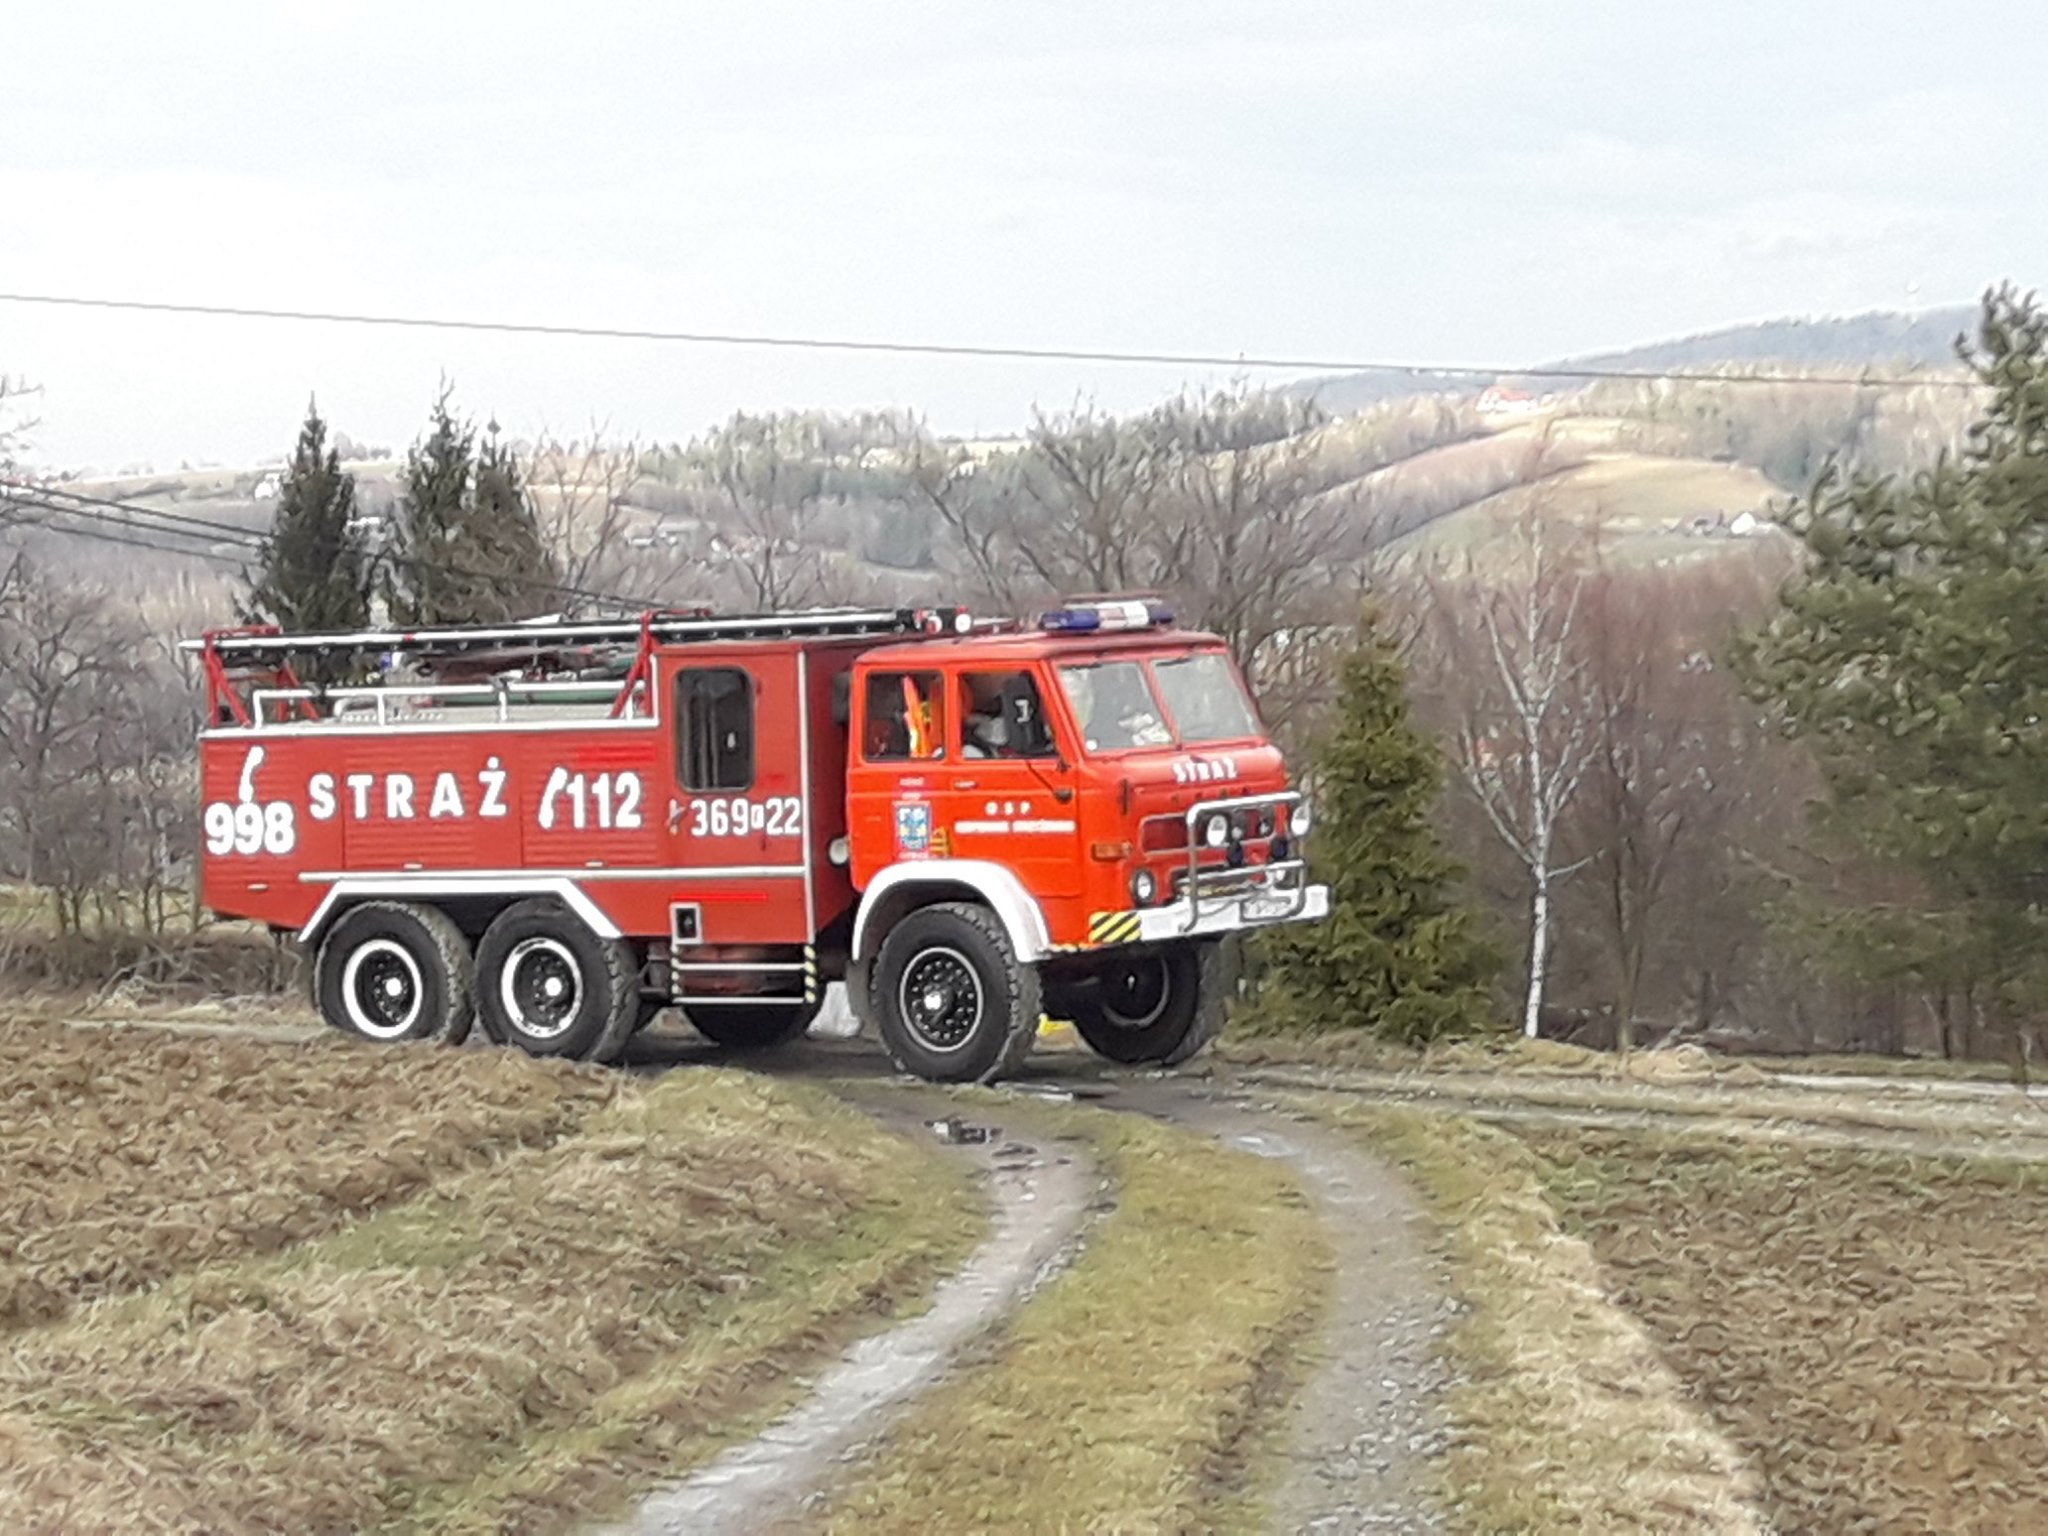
[(975, 504), (769, 475), (1242, 538), (1508, 658), (1086, 518), (1670, 742), (15, 423), (68, 694), (579, 493)]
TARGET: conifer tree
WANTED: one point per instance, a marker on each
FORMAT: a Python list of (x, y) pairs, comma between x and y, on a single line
[(1399, 955), (468, 548), (314, 570), (429, 580), (1910, 656), (506, 536)]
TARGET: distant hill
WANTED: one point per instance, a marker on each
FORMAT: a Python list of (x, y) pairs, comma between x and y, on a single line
[(1924, 339)]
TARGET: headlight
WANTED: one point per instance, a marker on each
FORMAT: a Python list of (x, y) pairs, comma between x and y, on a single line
[(1301, 820), (1143, 888), (1216, 831)]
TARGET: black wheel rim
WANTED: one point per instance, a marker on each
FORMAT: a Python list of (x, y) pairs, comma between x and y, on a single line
[(541, 987), (940, 998), (1134, 991), (381, 989)]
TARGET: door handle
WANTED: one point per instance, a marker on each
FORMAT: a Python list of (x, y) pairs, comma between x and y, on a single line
[(675, 815)]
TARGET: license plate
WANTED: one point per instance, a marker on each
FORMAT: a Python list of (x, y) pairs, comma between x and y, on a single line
[(1263, 909)]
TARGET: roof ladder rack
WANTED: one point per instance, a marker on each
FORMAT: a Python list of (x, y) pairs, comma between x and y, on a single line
[(660, 624)]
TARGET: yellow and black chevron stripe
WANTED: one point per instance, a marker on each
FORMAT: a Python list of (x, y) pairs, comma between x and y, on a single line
[(810, 973), (1112, 927)]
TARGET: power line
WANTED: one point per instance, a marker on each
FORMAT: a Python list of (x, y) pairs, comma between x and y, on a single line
[(108, 510), (965, 350), (101, 536)]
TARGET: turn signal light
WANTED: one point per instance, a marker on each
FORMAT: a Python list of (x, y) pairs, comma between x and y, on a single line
[(1109, 853)]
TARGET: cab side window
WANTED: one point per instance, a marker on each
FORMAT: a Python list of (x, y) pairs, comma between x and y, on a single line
[(714, 717), (1002, 715), (902, 716)]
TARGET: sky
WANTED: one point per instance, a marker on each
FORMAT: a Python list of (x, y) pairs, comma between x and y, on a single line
[(1426, 182)]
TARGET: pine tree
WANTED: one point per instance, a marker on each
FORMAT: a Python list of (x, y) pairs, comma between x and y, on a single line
[(431, 563), (469, 548), (314, 571), (1398, 955), (1910, 657), (507, 539)]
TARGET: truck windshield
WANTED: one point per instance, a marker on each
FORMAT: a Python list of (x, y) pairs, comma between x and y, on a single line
[(1205, 699), (1115, 706)]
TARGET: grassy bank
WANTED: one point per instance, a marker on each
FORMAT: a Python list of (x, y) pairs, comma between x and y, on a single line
[(591, 1285), (1121, 1397), (1566, 1419)]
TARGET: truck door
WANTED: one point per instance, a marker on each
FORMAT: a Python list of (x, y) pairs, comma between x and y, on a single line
[(962, 764), (736, 816), (1009, 796)]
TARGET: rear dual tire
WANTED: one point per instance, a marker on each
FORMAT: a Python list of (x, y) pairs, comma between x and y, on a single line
[(389, 971), (392, 971), (550, 986)]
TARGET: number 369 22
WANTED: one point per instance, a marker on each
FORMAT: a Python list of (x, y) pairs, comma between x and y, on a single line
[(778, 816)]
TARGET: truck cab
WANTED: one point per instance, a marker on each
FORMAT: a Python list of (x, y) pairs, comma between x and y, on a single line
[(1102, 783)]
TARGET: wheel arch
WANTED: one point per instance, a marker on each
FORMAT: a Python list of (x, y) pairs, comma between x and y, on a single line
[(457, 893), (901, 889)]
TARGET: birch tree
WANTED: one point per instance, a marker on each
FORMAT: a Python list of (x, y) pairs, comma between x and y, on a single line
[(1523, 728)]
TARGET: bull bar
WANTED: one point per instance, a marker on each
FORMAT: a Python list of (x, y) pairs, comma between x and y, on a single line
[(1289, 875)]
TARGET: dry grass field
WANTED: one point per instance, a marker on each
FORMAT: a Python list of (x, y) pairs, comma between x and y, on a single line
[(1870, 1329), (1702, 1293), (318, 1288)]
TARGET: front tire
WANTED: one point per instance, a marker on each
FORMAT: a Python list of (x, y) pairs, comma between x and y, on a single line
[(950, 999), (1152, 1007), (751, 1026), (550, 986), (390, 971)]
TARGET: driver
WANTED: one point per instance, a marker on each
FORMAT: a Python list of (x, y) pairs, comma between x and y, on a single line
[(987, 731)]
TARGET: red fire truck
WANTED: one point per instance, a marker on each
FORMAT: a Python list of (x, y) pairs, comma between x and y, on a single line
[(560, 829)]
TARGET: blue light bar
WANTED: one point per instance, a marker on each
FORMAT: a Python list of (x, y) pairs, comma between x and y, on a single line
[(1079, 618)]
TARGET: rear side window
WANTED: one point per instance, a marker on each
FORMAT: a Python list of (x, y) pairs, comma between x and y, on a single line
[(714, 728), (902, 716)]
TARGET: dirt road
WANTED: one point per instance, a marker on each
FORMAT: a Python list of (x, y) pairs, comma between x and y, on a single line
[(763, 1485), (1362, 1423)]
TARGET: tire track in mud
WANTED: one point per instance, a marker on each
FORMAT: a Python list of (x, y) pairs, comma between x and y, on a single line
[(1363, 1424), (774, 1481)]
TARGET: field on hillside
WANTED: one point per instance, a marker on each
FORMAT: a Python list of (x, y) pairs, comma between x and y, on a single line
[(318, 1288), (1870, 1329)]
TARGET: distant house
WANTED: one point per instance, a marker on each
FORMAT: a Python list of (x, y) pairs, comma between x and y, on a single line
[(1503, 402)]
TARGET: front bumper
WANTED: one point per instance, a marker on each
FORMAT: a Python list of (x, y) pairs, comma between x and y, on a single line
[(1216, 916)]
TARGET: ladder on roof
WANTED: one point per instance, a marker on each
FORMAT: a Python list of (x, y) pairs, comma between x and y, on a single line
[(657, 625)]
